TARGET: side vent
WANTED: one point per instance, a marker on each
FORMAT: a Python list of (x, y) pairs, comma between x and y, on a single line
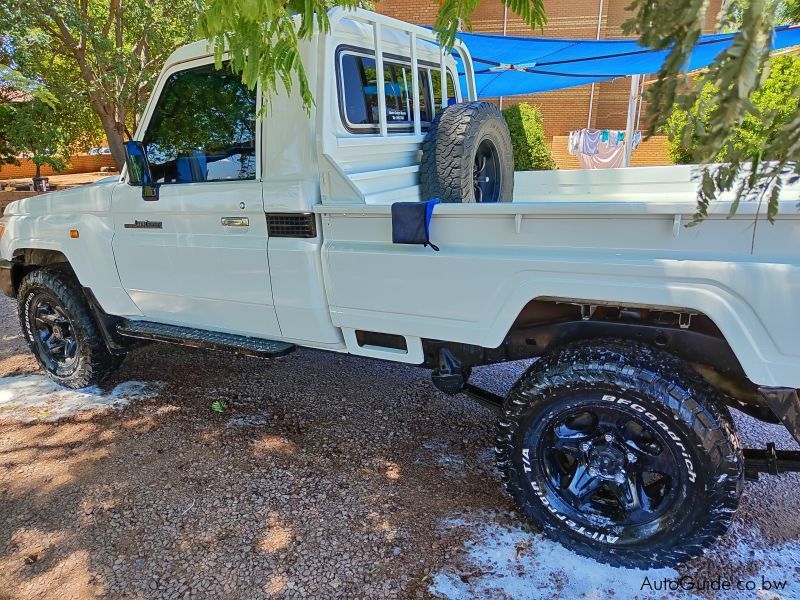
[(292, 225)]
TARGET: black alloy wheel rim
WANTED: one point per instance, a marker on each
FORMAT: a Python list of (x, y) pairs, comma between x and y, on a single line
[(486, 178), (610, 470), (53, 334)]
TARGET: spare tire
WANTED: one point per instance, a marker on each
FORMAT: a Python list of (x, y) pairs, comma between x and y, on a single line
[(467, 155)]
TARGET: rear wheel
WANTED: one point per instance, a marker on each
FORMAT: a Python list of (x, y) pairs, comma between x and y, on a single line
[(622, 453), (61, 330)]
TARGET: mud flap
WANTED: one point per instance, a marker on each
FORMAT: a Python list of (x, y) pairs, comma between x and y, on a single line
[(785, 404)]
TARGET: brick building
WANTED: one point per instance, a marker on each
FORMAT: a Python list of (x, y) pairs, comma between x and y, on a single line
[(562, 110)]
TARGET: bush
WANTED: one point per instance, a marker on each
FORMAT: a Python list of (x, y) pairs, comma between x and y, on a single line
[(774, 104), (531, 151)]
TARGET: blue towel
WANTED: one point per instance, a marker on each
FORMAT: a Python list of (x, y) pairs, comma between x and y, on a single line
[(411, 222)]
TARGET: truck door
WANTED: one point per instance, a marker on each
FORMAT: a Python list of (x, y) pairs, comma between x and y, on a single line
[(197, 256)]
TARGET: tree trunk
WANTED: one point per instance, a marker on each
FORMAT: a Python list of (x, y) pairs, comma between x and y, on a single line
[(115, 138), (38, 170)]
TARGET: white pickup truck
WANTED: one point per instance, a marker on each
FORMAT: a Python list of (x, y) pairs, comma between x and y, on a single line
[(257, 236)]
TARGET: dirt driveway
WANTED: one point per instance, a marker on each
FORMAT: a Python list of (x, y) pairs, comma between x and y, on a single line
[(324, 476)]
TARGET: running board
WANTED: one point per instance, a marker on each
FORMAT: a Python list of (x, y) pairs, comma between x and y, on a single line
[(200, 338), (770, 461), (489, 399)]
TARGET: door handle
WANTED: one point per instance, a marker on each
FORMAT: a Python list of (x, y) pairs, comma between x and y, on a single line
[(235, 221)]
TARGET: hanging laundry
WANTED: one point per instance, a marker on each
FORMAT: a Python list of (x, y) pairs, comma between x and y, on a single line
[(590, 142), (600, 149), (608, 156), (574, 141)]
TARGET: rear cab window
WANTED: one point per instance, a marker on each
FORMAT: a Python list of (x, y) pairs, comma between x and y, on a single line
[(358, 93)]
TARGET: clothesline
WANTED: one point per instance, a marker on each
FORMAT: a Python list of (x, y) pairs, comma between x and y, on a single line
[(600, 148), (611, 136)]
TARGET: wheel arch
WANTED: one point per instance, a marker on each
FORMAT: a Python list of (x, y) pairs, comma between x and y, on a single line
[(25, 259), (545, 323), (734, 319), (687, 333)]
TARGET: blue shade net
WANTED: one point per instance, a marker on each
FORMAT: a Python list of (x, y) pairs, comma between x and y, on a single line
[(512, 66)]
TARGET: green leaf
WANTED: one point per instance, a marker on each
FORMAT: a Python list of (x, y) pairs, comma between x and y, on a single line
[(742, 110)]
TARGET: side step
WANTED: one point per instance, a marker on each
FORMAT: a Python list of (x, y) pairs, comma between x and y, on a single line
[(770, 461), (200, 338)]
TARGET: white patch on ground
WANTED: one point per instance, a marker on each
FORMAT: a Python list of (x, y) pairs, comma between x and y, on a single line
[(441, 457), (259, 420), (512, 562), (435, 446), (488, 457), (450, 460), (37, 398), (774, 564)]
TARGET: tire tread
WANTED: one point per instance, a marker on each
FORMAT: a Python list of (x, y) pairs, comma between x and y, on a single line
[(685, 393), (98, 361)]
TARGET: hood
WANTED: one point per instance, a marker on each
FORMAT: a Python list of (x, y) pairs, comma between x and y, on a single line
[(94, 197)]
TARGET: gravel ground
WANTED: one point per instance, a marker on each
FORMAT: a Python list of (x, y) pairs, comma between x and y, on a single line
[(324, 476)]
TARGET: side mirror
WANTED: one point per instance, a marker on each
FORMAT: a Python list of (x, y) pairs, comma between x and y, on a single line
[(139, 174)]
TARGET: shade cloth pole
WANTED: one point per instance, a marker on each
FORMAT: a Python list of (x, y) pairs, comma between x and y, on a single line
[(597, 37), (635, 80), (505, 33)]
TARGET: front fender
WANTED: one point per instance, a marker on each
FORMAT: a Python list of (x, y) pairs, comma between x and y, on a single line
[(90, 254)]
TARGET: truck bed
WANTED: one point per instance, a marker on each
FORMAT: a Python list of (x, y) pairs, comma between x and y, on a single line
[(615, 237), (673, 185)]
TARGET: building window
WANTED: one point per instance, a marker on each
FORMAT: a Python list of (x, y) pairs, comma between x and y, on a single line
[(203, 128)]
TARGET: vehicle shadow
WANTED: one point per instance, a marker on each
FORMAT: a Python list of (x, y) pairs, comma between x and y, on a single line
[(323, 474)]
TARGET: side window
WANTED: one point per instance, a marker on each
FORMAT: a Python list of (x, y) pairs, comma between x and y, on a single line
[(424, 89), (360, 93), (203, 128), (436, 79), (360, 101)]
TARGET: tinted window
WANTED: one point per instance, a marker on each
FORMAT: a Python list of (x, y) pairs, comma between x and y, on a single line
[(360, 91), (203, 128)]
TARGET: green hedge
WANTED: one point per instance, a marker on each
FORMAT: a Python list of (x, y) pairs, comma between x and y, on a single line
[(776, 102), (531, 150)]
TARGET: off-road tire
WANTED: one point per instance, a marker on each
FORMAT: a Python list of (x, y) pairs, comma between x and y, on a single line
[(658, 383), (58, 285), (450, 147)]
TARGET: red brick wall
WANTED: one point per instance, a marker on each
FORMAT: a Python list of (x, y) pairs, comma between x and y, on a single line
[(77, 164), (562, 110), (7, 198)]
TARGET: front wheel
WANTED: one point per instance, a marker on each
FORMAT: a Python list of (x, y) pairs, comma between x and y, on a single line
[(621, 453), (60, 329)]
